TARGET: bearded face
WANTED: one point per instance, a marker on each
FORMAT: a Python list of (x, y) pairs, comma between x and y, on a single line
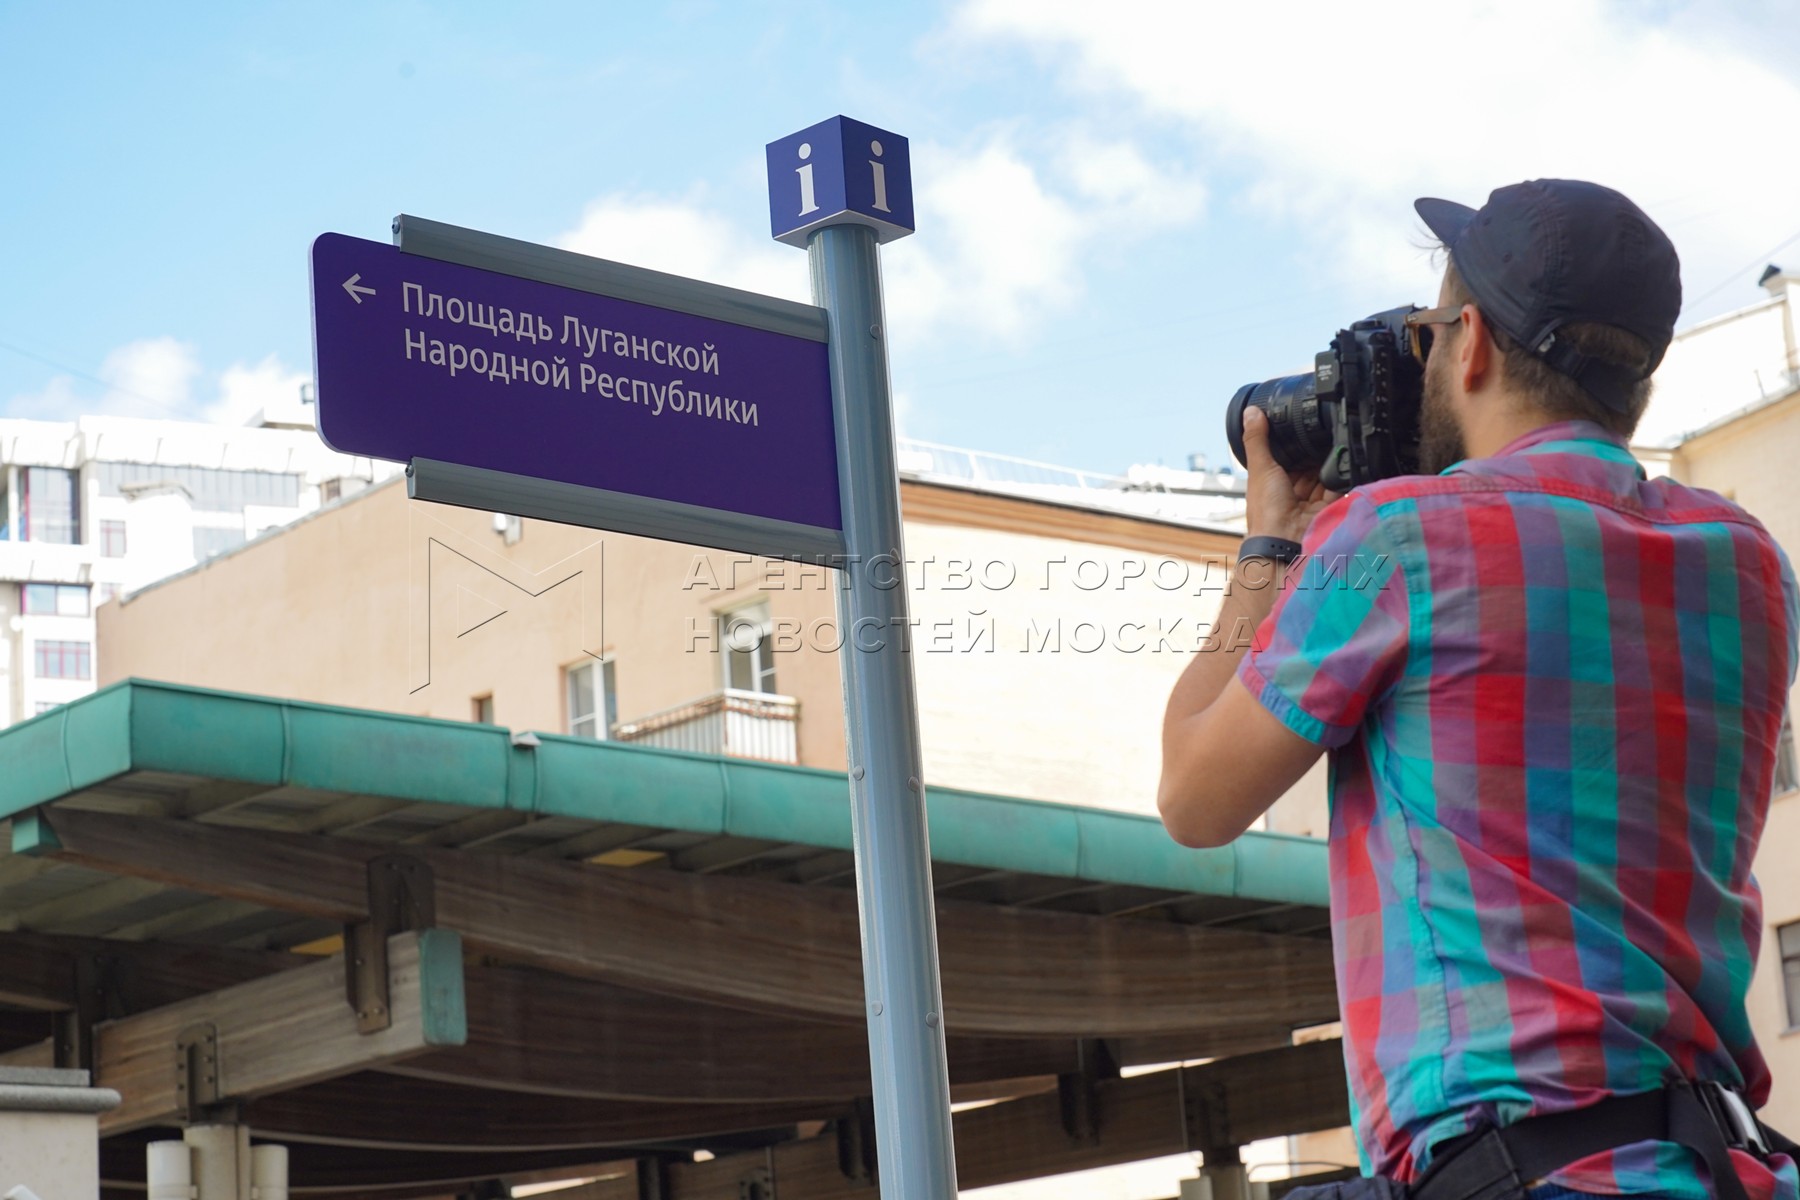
[(1440, 434)]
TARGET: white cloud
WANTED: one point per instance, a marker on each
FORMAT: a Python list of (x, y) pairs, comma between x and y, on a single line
[(683, 237), (997, 247), (59, 400), (150, 377), (160, 378), (1337, 120), (245, 391), (1006, 235), (1127, 188), (905, 413), (1009, 236)]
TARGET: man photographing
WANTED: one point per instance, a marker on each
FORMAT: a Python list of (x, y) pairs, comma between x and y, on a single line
[(1552, 692)]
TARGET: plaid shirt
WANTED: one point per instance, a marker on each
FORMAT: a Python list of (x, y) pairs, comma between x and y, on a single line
[(1553, 693)]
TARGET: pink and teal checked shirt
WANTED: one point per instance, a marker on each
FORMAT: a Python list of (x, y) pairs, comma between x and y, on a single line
[(1553, 692)]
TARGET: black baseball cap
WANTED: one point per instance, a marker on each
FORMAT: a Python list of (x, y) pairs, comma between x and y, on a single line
[(1541, 254)]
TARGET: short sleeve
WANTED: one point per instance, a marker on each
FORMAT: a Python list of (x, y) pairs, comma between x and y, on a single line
[(1336, 639), (1790, 602)]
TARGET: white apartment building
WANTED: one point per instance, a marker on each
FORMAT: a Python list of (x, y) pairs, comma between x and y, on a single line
[(97, 506)]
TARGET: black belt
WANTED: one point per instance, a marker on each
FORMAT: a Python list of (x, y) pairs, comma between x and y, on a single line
[(1707, 1118)]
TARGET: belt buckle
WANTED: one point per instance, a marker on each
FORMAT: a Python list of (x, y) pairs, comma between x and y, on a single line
[(1734, 1118)]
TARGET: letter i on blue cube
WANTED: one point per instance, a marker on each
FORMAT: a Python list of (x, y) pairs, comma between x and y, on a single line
[(840, 172)]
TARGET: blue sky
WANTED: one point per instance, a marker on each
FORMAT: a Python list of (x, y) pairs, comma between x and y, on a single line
[(1125, 209)]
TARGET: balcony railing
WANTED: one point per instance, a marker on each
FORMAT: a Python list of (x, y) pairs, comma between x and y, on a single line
[(738, 723)]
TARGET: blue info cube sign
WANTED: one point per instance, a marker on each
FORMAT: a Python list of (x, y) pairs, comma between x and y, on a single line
[(840, 172)]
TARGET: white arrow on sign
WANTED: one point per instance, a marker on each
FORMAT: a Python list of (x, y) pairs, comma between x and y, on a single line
[(356, 290)]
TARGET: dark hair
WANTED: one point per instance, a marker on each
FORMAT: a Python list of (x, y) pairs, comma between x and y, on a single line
[(1552, 391)]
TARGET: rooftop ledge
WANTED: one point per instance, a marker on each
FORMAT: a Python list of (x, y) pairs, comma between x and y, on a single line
[(143, 725)]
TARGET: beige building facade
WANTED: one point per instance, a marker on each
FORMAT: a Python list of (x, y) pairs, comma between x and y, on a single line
[(1046, 635)]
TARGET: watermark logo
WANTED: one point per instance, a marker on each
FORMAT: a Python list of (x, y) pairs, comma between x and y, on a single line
[(460, 584)]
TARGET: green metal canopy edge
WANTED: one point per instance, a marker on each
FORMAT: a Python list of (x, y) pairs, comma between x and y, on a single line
[(144, 725)]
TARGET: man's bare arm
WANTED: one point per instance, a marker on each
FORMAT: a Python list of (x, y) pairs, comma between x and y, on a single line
[(1226, 758)]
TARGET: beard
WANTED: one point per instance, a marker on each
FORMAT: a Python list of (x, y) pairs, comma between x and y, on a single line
[(1440, 436)]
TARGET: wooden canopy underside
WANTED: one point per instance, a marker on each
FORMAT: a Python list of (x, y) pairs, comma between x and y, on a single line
[(510, 1010)]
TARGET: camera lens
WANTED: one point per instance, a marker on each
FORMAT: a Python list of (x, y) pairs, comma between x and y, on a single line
[(1299, 438)]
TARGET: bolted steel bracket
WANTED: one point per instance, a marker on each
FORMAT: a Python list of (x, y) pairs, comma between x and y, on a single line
[(856, 1142), (401, 897), (653, 1179), (1205, 1113), (198, 1084), (99, 996), (1078, 1092), (758, 1183)]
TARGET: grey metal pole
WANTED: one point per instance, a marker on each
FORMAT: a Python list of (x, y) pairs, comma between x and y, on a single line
[(916, 1150)]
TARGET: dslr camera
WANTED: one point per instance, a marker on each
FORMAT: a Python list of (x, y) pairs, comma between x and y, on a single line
[(1354, 418)]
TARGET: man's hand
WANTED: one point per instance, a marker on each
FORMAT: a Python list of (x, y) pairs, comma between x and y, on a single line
[(1277, 504), (1226, 758)]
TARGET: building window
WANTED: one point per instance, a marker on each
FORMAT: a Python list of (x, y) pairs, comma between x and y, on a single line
[(49, 508), (481, 709), (1787, 772), (1788, 936), (5, 506), (55, 600), (112, 539), (64, 660), (593, 700), (749, 661), (211, 488)]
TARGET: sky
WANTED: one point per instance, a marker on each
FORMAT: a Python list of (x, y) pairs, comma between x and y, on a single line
[(1125, 209)]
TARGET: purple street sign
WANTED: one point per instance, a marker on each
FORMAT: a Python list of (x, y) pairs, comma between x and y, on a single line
[(417, 357)]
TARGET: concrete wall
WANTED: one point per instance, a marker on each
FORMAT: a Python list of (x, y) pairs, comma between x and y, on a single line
[(50, 1134)]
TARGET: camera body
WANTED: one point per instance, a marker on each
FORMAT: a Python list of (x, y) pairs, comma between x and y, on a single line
[(1354, 418)]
